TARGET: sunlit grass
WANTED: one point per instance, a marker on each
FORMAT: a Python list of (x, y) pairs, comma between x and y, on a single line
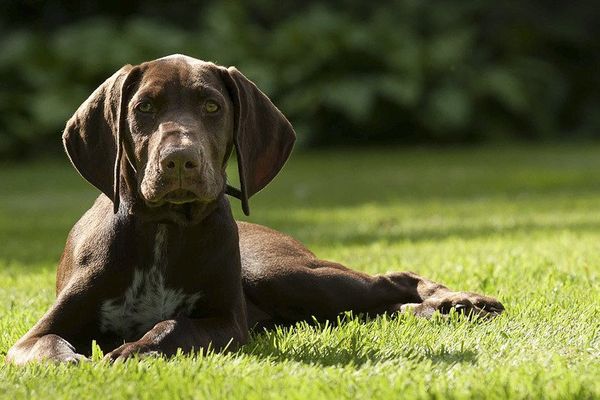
[(521, 224)]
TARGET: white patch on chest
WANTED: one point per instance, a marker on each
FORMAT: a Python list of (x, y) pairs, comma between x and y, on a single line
[(148, 300)]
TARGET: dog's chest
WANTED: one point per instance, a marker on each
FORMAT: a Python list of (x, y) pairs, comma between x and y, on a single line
[(148, 300)]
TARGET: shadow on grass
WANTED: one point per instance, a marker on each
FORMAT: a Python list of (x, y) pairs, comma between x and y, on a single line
[(331, 355), (430, 234), (342, 343), (451, 357)]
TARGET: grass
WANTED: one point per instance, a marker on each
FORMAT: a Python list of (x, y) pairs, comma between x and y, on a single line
[(519, 223)]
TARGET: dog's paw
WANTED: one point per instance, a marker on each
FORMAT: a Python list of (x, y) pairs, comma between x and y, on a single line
[(48, 348), (470, 304), (132, 349), (69, 358)]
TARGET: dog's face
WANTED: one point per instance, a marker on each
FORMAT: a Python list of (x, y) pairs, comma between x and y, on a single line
[(180, 121), (159, 135)]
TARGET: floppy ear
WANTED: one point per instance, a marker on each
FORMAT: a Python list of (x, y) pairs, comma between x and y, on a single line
[(263, 137), (93, 135)]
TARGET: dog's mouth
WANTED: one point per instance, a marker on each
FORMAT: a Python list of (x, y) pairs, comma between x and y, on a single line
[(178, 197), (180, 206)]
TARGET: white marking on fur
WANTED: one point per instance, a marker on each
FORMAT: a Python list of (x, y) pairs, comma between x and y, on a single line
[(148, 300)]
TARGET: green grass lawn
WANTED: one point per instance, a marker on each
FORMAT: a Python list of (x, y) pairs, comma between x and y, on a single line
[(518, 223)]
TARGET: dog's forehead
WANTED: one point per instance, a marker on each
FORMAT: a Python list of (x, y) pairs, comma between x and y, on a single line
[(182, 71), (182, 58)]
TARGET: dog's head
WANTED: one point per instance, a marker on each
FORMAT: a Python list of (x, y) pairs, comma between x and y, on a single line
[(158, 135)]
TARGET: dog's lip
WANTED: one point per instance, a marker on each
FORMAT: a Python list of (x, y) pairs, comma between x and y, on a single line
[(176, 197)]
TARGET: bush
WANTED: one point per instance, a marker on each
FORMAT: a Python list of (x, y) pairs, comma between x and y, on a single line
[(404, 71)]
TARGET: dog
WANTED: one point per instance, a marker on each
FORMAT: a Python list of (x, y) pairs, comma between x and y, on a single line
[(158, 264)]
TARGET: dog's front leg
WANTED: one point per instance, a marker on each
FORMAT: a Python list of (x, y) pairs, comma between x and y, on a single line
[(67, 319), (185, 334)]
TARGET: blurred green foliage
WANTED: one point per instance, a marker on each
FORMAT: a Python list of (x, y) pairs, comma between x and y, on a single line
[(344, 72)]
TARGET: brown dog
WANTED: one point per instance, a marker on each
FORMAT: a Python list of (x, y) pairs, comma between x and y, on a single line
[(158, 263)]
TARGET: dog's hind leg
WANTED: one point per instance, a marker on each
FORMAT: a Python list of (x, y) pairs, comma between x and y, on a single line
[(284, 280)]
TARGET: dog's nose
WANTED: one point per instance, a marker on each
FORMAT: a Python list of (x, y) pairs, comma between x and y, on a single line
[(181, 161)]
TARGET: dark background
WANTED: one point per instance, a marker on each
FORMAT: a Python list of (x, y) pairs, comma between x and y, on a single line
[(345, 72)]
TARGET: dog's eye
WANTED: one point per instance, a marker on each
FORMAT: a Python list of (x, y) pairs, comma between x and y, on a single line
[(211, 107), (145, 107)]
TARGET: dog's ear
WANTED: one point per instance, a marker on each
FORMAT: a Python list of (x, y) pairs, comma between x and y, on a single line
[(263, 137), (93, 135)]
